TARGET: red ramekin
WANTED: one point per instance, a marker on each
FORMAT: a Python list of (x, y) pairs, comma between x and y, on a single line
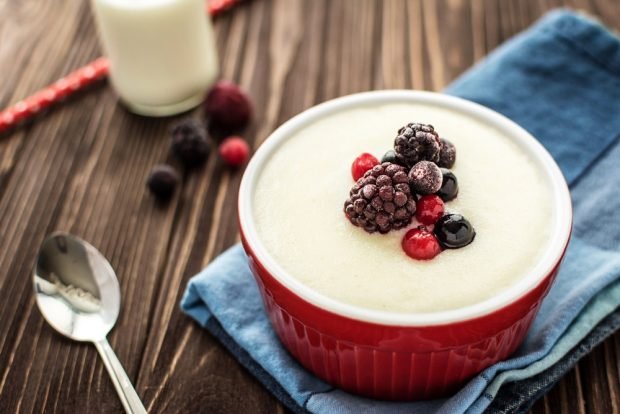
[(399, 356)]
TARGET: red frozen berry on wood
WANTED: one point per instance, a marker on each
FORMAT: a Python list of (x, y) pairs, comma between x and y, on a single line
[(421, 244), (234, 151), (429, 209), (228, 107), (362, 164)]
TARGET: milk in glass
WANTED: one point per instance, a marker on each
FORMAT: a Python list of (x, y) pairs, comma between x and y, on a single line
[(162, 52)]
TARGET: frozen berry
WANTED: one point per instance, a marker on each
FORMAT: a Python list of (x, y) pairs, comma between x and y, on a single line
[(381, 200), (162, 181), (421, 244), (429, 209), (454, 231), (362, 164), (447, 154), (449, 185), (189, 142), (227, 107), (416, 142), (389, 156), (234, 151), (425, 177)]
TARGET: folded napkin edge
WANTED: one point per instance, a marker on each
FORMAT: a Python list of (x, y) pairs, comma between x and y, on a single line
[(587, 35)]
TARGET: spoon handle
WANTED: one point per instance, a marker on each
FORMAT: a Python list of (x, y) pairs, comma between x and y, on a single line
[(126, 392)]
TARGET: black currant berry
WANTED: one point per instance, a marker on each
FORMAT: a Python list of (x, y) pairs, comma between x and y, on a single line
[(454, 231), (389, 156), (449, 186)]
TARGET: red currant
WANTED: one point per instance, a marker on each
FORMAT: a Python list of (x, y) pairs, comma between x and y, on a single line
[(362, 164), (234, 151), (421, 244), (429, 209)]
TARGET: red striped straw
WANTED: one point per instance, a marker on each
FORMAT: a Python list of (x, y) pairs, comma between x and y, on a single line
[(74, 82)]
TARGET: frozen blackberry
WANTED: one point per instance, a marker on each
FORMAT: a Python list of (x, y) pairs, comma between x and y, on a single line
[(416, 142), (162, 181), (381, 200), (447, 154), (425, 177), (189, 142)]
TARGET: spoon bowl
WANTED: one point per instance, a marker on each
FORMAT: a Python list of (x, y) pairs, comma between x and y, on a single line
[(76, 288), (78, 294)]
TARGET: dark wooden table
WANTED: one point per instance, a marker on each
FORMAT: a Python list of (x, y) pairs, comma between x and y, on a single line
[(82, 168)]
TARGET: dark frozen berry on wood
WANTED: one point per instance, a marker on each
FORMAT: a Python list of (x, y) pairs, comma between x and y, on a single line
[(189, 142), (162, 181)]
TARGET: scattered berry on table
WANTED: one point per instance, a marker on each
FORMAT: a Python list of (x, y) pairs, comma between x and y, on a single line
[(162, 181), (421, 244), (447, 154), (416, 142), (189, 142), (449, 185), (228, 107), (381, 200), (362, 164), (429, 209), (234, 151), (425, 177), (454, 231)]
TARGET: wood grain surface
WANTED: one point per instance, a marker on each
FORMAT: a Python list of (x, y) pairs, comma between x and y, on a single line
[(81, 168)]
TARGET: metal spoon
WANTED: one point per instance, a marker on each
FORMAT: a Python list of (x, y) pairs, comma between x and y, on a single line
[(78, 294)]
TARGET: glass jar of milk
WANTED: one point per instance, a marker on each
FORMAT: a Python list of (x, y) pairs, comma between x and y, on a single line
[(162, 52)]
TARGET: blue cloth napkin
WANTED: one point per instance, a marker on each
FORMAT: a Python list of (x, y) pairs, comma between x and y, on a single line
[(561, 81)]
